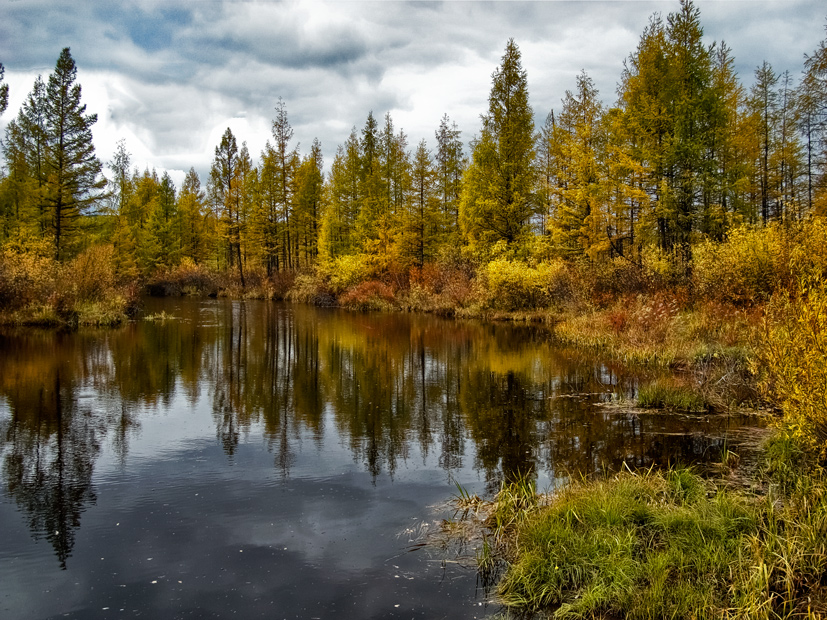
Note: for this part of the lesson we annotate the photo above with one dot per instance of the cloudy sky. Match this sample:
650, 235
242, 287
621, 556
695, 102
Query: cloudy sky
170, 76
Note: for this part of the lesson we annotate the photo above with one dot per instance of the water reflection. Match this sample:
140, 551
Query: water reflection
389, 388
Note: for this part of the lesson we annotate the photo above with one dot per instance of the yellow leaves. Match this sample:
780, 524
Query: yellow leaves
514, 285
793, 355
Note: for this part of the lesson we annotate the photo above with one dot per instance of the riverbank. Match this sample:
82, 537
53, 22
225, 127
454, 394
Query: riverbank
659, 544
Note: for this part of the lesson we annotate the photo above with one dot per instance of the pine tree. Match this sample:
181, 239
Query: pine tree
73, 182
225, 195
498, 199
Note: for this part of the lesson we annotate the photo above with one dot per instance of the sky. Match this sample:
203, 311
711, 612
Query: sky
168, 77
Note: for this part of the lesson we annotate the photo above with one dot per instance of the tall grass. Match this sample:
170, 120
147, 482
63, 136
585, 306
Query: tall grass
666, 545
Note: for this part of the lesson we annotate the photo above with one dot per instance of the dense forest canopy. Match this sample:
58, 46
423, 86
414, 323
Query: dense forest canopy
686, 153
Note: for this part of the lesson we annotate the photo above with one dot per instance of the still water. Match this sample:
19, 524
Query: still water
258, 460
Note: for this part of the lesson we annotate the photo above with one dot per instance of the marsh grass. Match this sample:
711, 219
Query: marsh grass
671, 394
662, 544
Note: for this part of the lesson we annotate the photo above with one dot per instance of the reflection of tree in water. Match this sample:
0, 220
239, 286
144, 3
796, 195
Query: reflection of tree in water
50, 443
49, 455
390, 381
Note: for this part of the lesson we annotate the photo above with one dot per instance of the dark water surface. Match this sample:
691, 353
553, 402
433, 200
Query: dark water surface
257, 460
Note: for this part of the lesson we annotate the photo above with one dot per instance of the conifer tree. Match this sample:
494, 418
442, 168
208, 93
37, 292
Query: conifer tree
450, 166
73, 182
813, 120
192, 230
4, 90
498, 199
421, 222
579, 224
225, 194
286, 162
309, 199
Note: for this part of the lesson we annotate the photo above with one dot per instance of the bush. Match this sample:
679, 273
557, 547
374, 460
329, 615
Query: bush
349, 270
185, 279
515, 285
25, 277
310, 288
366, 296
749, 266
91, 275
793, 356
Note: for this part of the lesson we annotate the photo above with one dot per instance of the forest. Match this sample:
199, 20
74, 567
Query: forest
686, 159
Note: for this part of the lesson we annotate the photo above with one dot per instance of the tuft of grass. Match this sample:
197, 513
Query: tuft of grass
668, 394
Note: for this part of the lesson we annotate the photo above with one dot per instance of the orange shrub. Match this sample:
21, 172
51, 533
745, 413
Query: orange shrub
370, 295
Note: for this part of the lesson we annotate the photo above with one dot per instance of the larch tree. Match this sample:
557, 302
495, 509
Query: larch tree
192, 229
579, 224
337, 231
765, 108
450, 162
73, 182
498, 198
421, 220
813, 115
309, 199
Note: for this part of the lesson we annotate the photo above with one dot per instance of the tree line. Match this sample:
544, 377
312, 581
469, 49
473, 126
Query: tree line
686, 152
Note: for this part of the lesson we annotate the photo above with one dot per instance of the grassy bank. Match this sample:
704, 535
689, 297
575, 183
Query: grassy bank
664, 545
670, 544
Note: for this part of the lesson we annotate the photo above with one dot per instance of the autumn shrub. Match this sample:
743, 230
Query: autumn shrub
602, 282
792, 355
346, 271
747, 267
187, 278
808, 249
370, 295
512, 285
90, 275
516, 285
37, 290
311, 288
26, 276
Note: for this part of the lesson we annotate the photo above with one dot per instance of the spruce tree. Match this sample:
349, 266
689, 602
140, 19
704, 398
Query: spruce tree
498, 202
73, 182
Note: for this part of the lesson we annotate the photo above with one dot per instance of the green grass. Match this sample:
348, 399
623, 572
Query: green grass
666, 545
662, 394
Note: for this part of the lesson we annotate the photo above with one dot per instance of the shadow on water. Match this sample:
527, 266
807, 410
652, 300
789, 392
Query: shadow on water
495, 398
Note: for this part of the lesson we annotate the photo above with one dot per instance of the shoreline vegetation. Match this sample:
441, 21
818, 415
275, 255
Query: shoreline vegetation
683, 229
